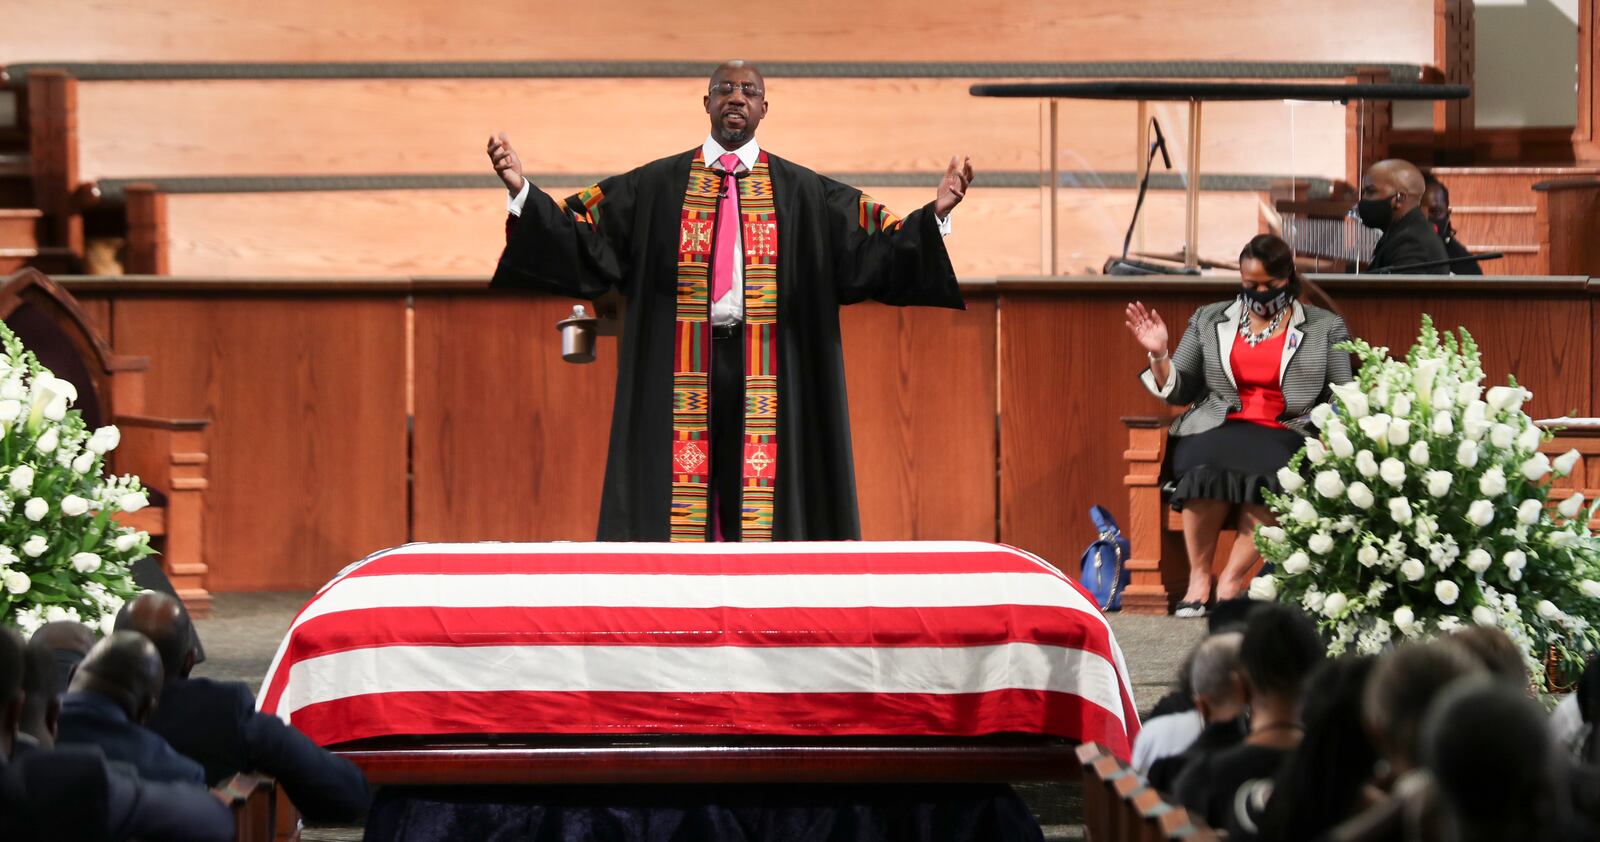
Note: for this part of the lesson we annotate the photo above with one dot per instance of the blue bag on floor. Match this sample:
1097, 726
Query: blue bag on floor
1105, 571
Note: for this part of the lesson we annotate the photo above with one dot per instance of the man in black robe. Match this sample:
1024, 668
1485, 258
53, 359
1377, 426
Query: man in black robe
1391, 201
834, 246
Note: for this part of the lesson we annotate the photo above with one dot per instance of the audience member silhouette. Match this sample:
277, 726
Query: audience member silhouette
112, 696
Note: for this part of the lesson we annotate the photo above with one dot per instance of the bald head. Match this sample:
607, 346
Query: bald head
68, 641
125, 668
12, 664
162, 620
736, 102
1399, 182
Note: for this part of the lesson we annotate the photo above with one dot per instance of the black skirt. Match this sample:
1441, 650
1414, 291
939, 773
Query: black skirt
1233, 463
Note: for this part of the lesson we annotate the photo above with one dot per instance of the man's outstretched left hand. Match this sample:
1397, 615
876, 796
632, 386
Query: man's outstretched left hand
953, 187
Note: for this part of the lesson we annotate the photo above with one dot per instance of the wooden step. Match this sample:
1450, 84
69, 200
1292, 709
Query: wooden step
16, 165
19, 227
1501, 186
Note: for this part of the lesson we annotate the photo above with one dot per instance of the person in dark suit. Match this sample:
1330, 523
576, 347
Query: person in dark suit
1250, 369
112, 695
1436, 207
68, 642
72, 793
1391, 202
216, 723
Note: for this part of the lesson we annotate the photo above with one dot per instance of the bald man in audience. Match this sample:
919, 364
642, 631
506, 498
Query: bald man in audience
71, 793
112, 696
1391, 202
41, 707
68, 642
216, 723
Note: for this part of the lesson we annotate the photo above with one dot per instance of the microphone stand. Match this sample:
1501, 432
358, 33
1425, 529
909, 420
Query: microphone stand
1435, 264
1122, 265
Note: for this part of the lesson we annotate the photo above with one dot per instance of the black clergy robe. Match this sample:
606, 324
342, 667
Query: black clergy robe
826, 257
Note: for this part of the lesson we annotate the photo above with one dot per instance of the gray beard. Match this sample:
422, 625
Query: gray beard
732, 140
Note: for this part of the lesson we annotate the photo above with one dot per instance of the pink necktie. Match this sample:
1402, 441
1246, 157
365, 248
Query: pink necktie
727, 229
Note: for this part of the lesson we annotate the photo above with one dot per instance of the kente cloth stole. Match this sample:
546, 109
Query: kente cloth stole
691, 394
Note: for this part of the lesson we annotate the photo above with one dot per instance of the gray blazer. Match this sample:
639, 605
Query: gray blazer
1203, 379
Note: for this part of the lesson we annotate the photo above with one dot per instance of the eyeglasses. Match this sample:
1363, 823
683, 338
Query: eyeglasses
727, 88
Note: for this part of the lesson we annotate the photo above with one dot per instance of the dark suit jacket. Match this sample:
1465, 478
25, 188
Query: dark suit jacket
1454, 248
1410, 239
91, 719
72, 793
216, 723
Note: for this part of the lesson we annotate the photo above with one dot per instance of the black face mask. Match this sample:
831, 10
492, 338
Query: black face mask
1441, 224
1268, 303
1376, 213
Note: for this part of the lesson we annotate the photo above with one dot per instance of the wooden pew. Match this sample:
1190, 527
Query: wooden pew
1120, 806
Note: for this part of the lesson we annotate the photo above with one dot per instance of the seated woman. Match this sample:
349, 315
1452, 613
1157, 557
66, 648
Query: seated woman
1251, 369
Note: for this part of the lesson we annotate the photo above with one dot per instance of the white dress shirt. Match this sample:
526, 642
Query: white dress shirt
729, 309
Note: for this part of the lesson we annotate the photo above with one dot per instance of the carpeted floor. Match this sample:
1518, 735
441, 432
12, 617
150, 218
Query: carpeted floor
244, 630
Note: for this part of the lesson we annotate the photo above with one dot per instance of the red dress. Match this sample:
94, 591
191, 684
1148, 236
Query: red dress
1255, 371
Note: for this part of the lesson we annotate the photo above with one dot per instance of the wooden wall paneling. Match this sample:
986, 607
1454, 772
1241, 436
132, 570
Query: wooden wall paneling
922, 416
149, 238
53, 150
141, 129
1586, 134
1454, 54
1569, 226
461, 232
308, 436
509, 441
1368, 125
901, 30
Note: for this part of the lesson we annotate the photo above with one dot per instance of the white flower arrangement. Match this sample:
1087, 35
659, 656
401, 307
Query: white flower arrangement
62, 555
1440, 494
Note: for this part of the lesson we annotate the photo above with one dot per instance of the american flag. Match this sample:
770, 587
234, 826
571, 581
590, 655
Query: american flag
939, 639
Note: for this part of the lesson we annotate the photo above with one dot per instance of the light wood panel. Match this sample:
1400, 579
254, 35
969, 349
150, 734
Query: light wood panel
308, 432
461, 232
922, 417
829, 30
357, 127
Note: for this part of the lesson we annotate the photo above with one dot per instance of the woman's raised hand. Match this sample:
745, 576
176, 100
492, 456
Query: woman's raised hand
1147, 328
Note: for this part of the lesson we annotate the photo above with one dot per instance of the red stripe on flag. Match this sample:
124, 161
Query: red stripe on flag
717, 714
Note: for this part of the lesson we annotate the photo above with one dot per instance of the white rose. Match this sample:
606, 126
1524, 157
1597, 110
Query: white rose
1419, 453
1340, 444
83, 462
1537, 466
21, 479
1393, 472
9, 410
1570, 507
1478, 560
1404, 618
12, 389
72, 505
1475, 430
1375, 427
1291, 481
1399, 431
1321, 414
47, 443
1562, 539
1401, 405
1501, 436
1329, 485
1439, 482
85, 562
1302, 511
1400, 510
1335, 605
1367, 465
1483, 615
1547, 609
1320, 543
1590, 588
1313, 601
1264, 588
1413, 570
1528, 512
1515, 561
56, 409
1367, 555
1564, 463
1272, 534
126, 541
133, 502
1442, 424
35, 509
1530, 438
1480, 513
1467, 393
1353, 399
1507, 398
1476, 411
1360, 495
1467, 454
1315, 452
1492, 483
1296, 564
35, 546
104, 439
1446, 591
16, 581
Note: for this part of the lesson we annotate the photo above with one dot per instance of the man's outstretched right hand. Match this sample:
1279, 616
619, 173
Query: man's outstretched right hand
506, 163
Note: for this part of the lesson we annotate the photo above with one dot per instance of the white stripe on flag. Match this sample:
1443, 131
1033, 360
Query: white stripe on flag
666, 590
704, 669
710, 548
